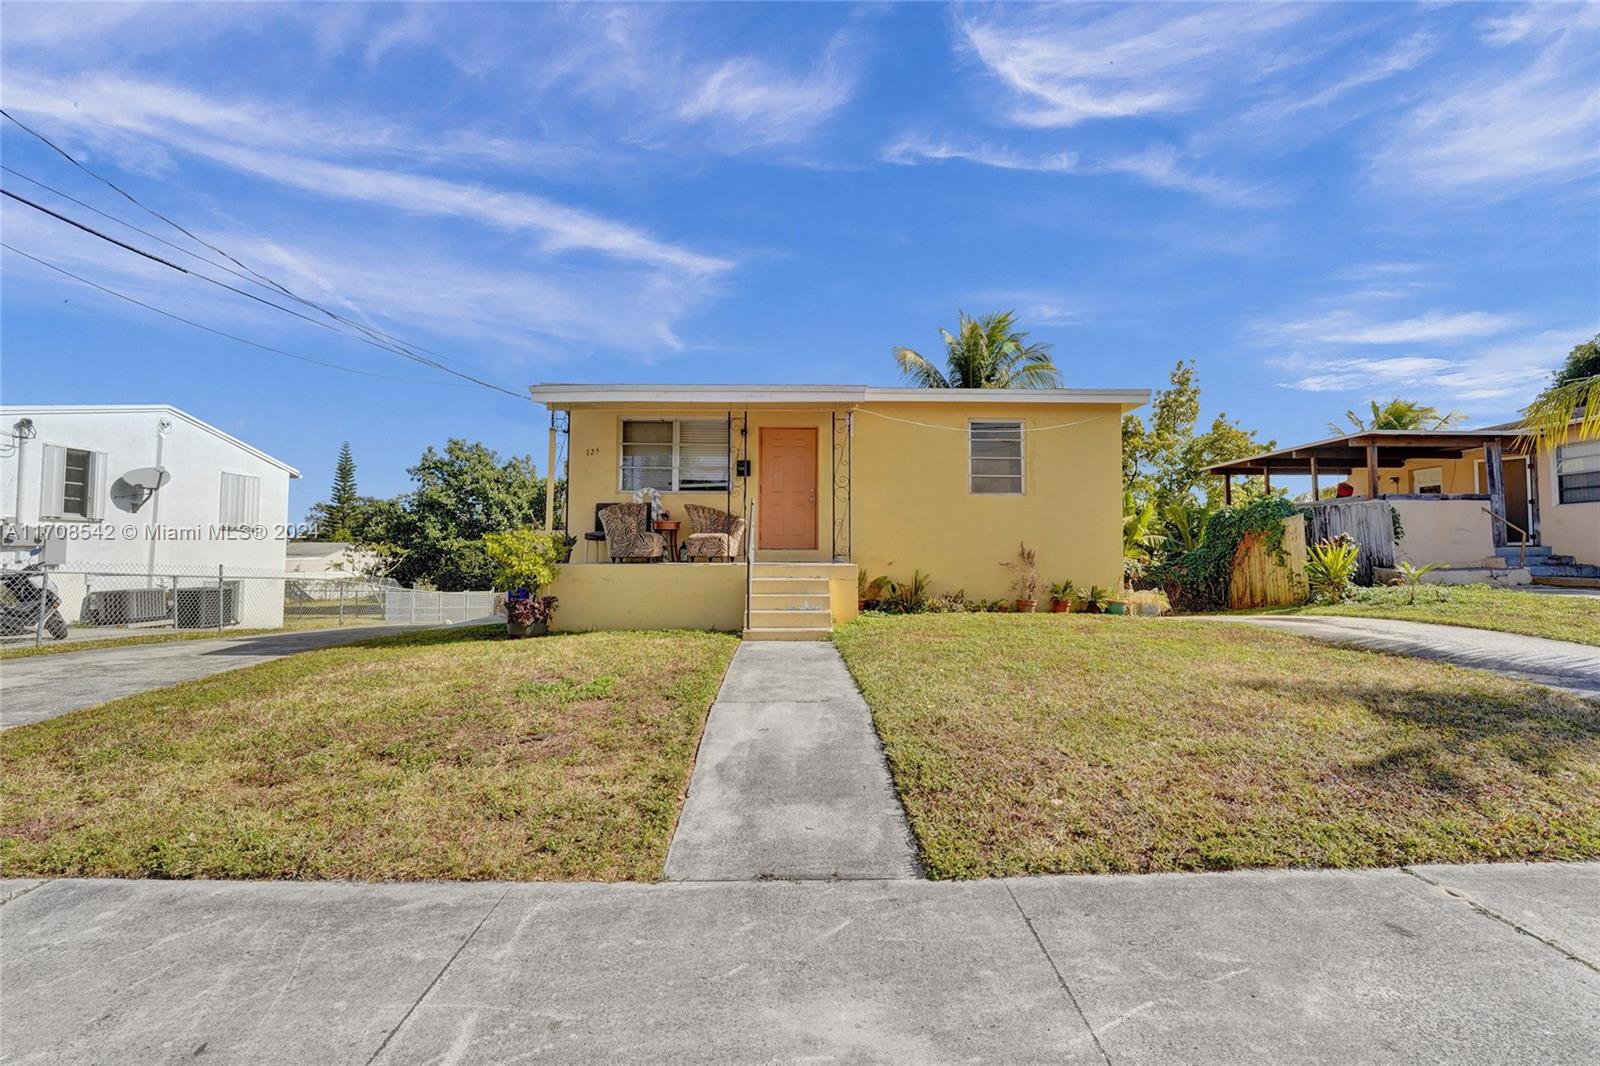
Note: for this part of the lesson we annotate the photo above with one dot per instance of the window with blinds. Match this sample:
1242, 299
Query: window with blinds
1578, 471
241, 501
994, 457
73, 484
686, 455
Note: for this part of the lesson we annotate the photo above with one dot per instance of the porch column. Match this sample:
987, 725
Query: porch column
1316, 489
1372, 469
1227, 490
1494, 471
1266, 478
550, 479
1533, 496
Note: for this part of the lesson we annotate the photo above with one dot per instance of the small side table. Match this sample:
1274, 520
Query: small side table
669, 529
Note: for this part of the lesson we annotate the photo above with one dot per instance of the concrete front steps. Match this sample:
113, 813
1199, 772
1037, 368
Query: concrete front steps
791, 601
1548, 568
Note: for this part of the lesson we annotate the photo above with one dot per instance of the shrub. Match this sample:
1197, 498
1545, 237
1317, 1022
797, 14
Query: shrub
1097, 599
524, 558
1330, 564
1412, 577
1197, 580
1026, 580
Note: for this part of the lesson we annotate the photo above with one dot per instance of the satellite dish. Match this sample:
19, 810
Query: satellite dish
138, 485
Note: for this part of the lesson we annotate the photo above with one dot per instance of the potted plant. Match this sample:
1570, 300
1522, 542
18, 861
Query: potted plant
1097, 600
869, 591
525, 561
1026, 582
1061, 596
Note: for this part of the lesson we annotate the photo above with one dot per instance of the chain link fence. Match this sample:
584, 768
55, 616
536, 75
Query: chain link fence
84, 603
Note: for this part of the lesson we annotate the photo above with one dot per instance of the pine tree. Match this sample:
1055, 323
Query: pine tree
343, 499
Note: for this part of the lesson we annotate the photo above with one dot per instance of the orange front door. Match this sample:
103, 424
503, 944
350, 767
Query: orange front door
787, 518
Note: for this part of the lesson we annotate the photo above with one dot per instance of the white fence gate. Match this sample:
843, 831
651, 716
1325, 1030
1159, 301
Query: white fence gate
415, 605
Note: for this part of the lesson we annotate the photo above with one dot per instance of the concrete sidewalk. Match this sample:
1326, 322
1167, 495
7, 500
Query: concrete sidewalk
790, 781
1486, 965
43, 686
1560, 664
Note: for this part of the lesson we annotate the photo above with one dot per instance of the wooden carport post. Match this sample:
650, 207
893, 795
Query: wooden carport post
1494, 470
1227, 490
550, 479
1316, 489
1372, 469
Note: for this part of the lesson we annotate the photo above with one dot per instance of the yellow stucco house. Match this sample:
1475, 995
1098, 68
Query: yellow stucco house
832, 481
1480, 501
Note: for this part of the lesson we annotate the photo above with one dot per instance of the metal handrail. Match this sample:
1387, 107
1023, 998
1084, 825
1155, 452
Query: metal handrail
749, 561
1522, 547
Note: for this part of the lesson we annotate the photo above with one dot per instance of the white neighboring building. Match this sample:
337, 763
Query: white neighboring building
67, 469
329, 558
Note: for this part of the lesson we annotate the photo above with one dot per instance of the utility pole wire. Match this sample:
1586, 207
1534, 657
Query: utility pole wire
391, 349
218, 332
261, 278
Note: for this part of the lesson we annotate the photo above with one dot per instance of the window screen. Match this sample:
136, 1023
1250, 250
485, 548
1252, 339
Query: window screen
995, 458
647, 449
1578, 471
703, 456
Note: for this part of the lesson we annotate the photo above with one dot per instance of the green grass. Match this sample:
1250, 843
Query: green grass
1077, 744
1534, 614
443, 754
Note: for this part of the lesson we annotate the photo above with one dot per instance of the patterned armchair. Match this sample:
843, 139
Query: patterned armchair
716, 534
629, 536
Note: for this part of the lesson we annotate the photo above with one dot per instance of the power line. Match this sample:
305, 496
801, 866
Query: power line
391, 349
406, 347
218, 332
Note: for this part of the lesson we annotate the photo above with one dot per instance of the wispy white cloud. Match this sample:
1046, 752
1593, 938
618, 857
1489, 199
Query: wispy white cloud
1530, 115
1068, 65
264, 142
1159, 165
758, 104
1346, 327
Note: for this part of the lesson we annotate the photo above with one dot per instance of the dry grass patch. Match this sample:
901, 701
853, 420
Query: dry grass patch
1533, 614
1075, 744
443, 754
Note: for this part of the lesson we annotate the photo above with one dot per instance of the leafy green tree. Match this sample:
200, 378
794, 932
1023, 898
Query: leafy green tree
1164, 460
1399, 414
984, 353
1573, 394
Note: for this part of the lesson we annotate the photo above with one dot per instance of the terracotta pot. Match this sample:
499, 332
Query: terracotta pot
1060, 606
1026, 606
861, 605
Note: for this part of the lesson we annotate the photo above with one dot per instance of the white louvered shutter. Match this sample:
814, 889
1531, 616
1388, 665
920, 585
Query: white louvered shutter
95, 510
53, 484
703, 455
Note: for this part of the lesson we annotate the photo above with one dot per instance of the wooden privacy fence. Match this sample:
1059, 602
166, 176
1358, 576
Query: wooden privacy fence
1263, 578
1370, 524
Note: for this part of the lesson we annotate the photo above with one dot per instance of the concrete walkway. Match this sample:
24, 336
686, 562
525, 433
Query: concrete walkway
790, 781
43, 686
1557, 663
1437, 964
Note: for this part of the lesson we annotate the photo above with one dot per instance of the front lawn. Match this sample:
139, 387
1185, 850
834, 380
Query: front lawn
1076, 744
441, 754
1534, 614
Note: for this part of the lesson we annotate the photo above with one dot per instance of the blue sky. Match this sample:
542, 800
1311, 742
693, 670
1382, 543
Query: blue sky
1320, 205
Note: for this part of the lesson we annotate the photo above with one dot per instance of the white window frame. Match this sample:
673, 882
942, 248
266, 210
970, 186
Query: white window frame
1434, 476
52, 485
677, 465
1555, 470
251, 520
1022, 456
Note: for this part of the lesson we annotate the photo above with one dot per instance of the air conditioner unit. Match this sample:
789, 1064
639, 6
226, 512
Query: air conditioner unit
116, 607
197, 608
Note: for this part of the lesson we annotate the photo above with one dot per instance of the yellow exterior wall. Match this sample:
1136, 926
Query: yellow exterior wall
1568, 528
913, 509
650, 596
910, 507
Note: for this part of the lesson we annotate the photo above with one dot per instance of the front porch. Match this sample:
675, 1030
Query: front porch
763, 600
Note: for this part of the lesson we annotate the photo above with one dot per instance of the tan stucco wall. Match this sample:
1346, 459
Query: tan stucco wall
1568, 528
911, 507
1443, 531
649, 596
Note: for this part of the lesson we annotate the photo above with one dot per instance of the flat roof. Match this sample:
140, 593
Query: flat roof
144, 408
1336, 455
557, 394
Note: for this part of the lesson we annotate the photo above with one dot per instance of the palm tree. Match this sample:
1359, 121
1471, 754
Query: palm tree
1573, 396
984, 353
1400, 414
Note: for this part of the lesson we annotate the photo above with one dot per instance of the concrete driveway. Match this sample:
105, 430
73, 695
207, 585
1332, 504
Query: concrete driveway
1560, 664
1490, 964
44, 686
